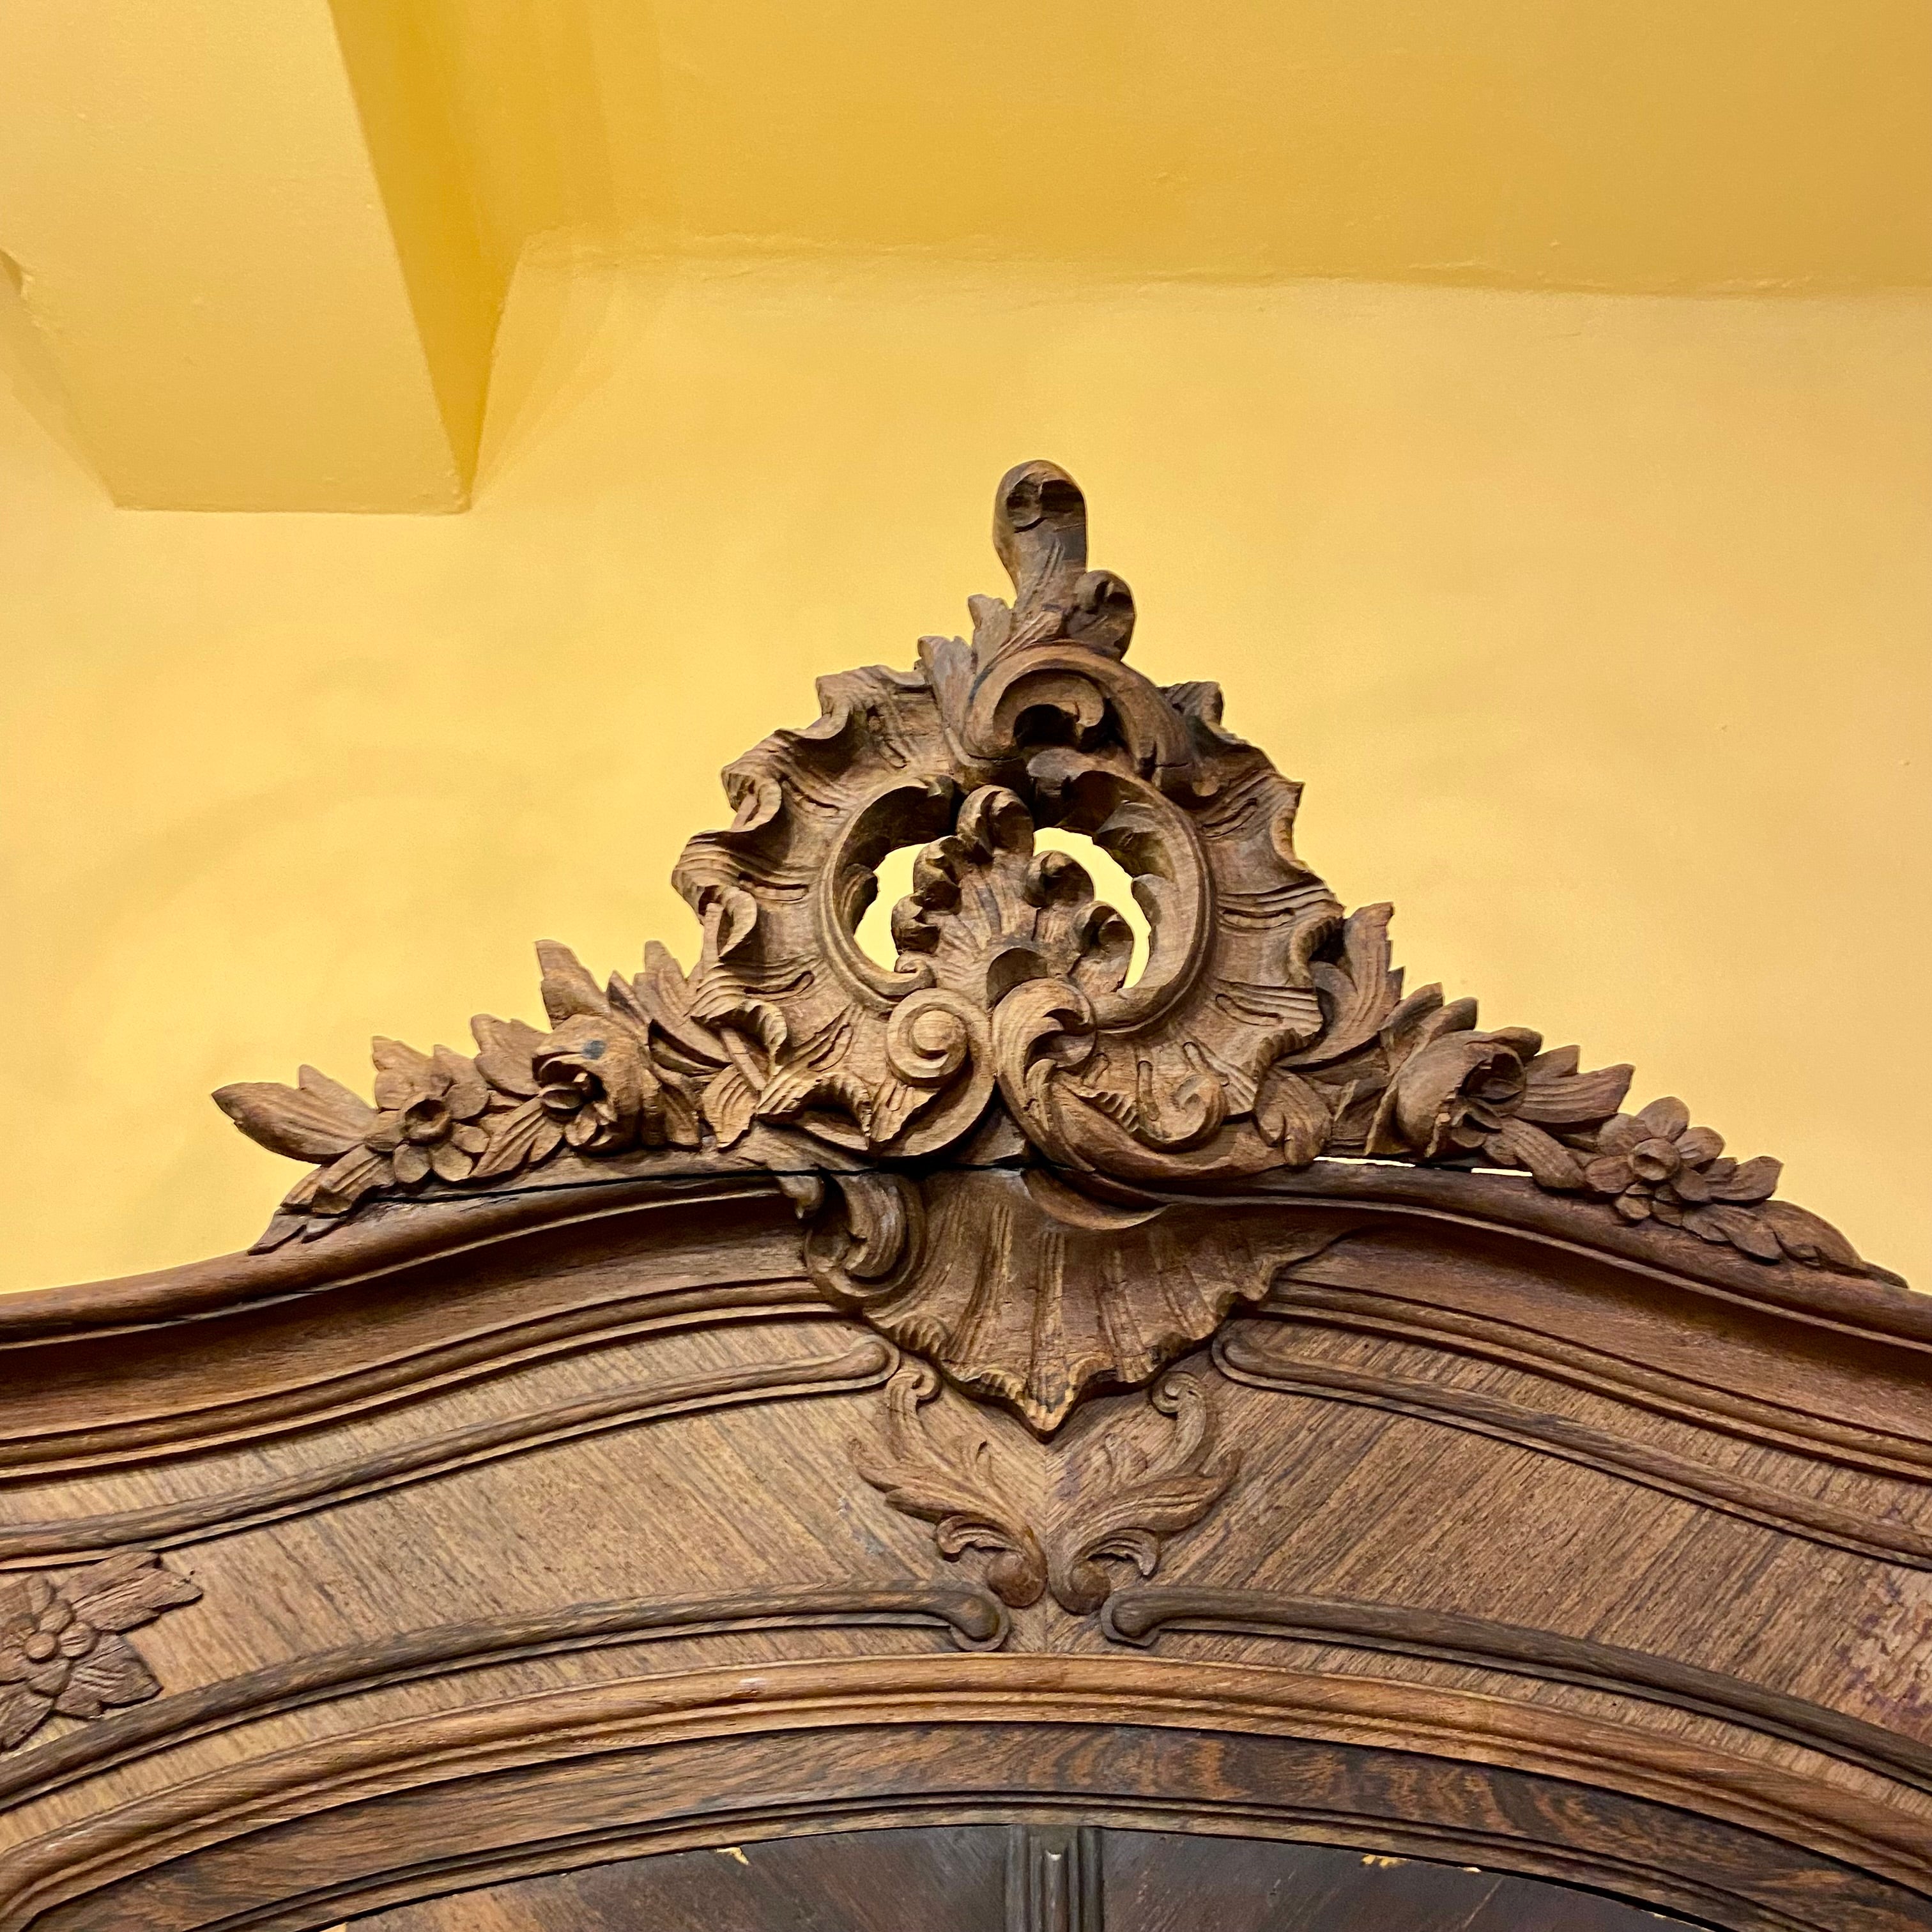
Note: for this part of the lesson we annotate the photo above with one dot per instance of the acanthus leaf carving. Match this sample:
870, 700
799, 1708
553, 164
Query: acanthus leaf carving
63, 1649
1267, 1030
1115, 1503
950, 1486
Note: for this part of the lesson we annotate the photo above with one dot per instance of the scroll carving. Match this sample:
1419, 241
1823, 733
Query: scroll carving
1116, 1503
62, 1649
1269, 1029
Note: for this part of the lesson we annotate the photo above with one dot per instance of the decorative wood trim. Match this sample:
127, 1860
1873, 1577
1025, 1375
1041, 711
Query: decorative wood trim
1374, 1311
1138, 1614
974, 1619
958, 1725
1125, 1514
61, 1646
1053, 1879
400, 1380
369, 1250
1878, 1309
172, 1525
1018, 1286
374, 1339
1242, 1356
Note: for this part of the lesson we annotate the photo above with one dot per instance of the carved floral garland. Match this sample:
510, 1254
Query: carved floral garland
1267, 1029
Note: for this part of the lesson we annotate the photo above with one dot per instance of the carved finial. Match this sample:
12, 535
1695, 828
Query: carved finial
1039, 530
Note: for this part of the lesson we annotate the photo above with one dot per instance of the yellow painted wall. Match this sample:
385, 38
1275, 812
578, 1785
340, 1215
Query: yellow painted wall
1597, 624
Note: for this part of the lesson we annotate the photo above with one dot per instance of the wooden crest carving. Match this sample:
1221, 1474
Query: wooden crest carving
996, 1136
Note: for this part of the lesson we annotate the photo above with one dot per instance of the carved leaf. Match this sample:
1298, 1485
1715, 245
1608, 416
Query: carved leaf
894, 1103
21, 1713
131, 1589
1751, 1180
1555, 1095
730, 1102
1550, 1163
318, 1119
111, 1674
1124, 1510
507, 1047
1360, 990
661, 996
1806, 1237
518, 1137
1292, 1114
951, 1490
567, 989
791, 1092
1129, 1520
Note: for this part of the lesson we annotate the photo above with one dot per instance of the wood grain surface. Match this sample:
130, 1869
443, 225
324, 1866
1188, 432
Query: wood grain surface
992, 1438
980, 1878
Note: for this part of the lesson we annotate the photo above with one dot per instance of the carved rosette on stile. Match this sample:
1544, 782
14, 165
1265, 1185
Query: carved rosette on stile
62, 1647
1006, 1149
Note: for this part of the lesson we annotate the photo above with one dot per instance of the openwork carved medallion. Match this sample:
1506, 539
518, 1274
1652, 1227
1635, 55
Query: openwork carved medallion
991, 1135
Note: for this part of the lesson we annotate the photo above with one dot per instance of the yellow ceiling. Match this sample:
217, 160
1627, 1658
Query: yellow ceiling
262, 250
1660, 145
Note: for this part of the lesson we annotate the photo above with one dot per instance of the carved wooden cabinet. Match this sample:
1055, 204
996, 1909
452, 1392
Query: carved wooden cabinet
998, 1440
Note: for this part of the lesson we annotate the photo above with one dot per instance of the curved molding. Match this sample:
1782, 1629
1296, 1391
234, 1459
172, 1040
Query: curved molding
1877, 1305
403, 1237
436, 1229
399, 1380
1374, 1311
978, 1735
444, 1320
402, 1257
1237, 1356
169, 1526
975, 1620
1139, 1614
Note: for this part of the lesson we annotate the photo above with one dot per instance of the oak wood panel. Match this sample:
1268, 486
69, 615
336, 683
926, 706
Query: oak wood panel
1247, 1354
500, 1825
971, 1878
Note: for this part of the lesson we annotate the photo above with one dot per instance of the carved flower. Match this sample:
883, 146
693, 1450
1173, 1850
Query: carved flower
589, 1084
1496, 1094
61, 1648
1655, 1166
427, 1119
428, 1105
585, 1082
1454, 1095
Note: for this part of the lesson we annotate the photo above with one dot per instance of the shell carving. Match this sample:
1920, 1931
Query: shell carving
1025, 1291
